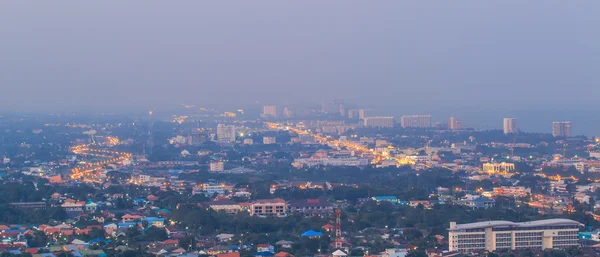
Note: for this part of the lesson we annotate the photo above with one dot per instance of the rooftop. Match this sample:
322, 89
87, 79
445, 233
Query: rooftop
501, 223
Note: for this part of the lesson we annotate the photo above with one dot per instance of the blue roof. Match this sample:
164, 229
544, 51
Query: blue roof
154, 219
126, 224
384, 198
312, 233
139, 199
15, 230
263, 254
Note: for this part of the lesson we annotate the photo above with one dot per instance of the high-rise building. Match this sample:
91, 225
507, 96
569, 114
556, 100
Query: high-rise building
363, 113
510, 125
561, 129
381, 122
226, 133
415, 121
197, 138
497, 235
352, 114
269, 140
269, 111
217, 166
288, 112
454, 124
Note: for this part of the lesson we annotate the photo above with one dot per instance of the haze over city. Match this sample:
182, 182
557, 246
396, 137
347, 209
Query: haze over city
403, 56
338, 128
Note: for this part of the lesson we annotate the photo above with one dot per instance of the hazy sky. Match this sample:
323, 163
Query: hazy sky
413, 54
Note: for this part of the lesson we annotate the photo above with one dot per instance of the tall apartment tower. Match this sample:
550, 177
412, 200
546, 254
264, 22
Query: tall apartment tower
288, 112
510, 125
561, 129
269, 111
380, 122
415, 121
226, 133
454, 123
363, 113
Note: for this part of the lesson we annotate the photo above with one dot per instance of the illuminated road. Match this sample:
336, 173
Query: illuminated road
89, 172
379, 156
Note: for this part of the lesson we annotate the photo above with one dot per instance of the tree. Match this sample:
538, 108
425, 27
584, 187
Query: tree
156, 234
417, 253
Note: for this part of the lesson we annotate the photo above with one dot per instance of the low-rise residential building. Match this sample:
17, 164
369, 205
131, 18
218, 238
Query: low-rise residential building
227, 206
275, 206
512, 191
309, 206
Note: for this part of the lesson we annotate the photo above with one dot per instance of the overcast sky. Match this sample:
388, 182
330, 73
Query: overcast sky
413, 54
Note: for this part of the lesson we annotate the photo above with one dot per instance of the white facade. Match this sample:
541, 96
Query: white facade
415, 121
454, 123
269, 140
226, 133
507, 235
288, 112
510, 125
269, 111
561, 129
381, 122
363, 113
217, 166
348, 161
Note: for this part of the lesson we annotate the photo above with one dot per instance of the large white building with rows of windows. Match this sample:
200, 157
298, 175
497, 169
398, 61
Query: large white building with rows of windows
507, 235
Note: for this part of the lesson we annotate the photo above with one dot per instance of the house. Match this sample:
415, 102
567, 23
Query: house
284, 254
90, 206
110, 226
481, 202
228, 206
391, 199
131, 218
232, 254
219, 249
312, 234
154, 221
73, 206
284, 244
276, 206
263, 248
328, 227
415, 203
170, 242
309, 206
224, 237
394, 252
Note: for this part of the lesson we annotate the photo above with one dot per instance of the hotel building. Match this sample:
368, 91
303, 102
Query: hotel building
507, 235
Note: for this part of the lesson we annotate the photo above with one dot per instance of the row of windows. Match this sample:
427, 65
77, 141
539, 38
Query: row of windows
564, 237
503, 239
503, 235
471, 236
528, 243
467, 241
471, 246
529, 234
532, 238
563, 233
535, 228
504, 245
564, 243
